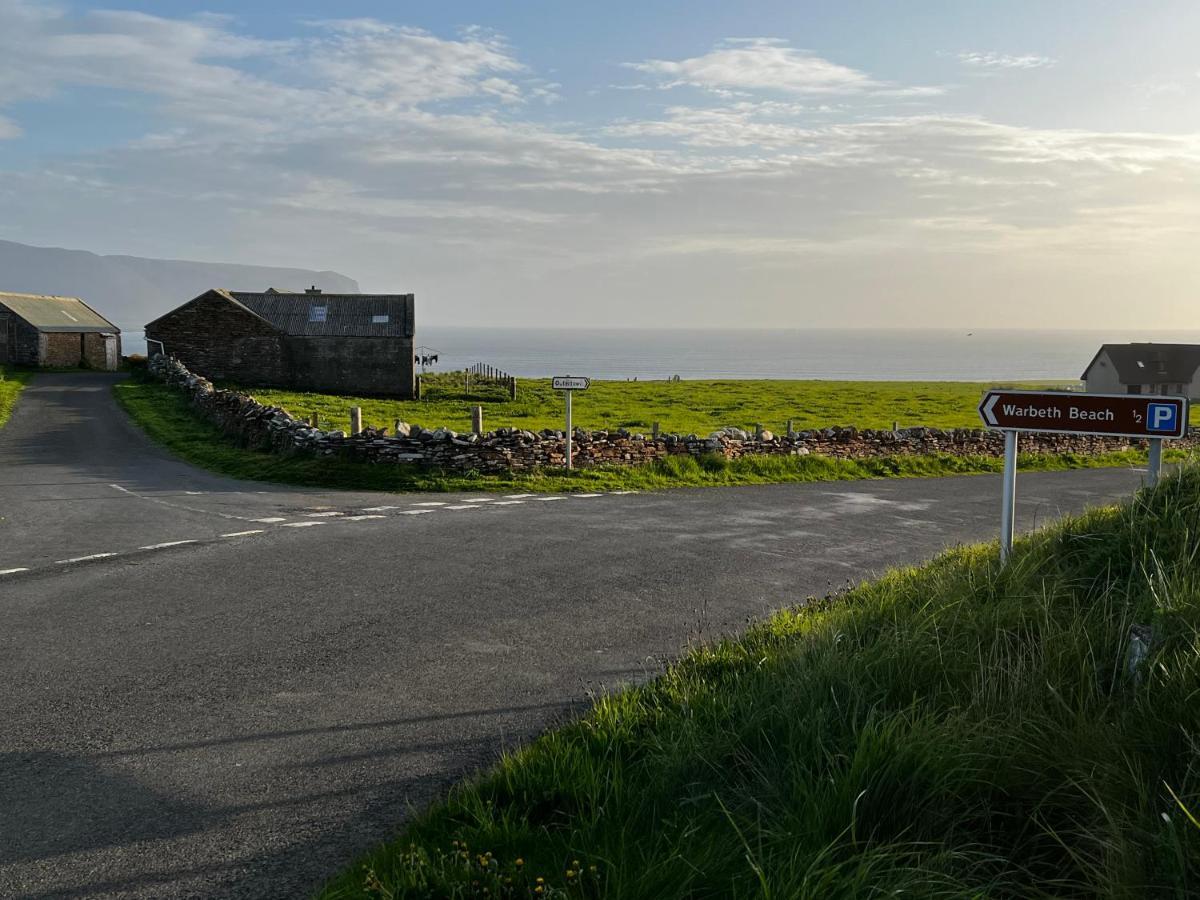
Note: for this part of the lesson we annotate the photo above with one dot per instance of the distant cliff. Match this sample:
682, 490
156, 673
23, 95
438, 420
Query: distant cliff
131, 291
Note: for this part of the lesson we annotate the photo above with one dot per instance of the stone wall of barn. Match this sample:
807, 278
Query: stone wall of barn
22, 340
353, 365
61, 349
513, 449
222, 341
95, 351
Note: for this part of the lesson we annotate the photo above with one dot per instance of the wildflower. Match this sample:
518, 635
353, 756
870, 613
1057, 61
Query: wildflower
520, 862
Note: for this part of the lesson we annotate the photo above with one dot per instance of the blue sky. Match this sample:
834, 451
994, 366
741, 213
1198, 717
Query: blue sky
871, 163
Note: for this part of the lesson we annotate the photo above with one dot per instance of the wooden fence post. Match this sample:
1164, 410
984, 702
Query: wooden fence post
656, 430
355, 420
312, 420
791, 430
512, 387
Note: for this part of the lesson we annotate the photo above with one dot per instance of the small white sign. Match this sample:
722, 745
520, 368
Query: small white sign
571, 383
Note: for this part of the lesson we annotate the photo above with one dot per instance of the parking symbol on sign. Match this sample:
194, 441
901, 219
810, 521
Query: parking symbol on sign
1161, 417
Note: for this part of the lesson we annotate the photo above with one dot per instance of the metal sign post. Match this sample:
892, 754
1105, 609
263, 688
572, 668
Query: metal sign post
1114, 415
569, 384
570, 433
1008, 496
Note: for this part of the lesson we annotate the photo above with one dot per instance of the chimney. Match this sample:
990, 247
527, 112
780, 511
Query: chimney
312, 290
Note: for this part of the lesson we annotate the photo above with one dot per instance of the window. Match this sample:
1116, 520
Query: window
317, 313
1133, 389
379, 320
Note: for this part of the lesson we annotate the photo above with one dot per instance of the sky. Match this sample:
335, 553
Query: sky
645, 164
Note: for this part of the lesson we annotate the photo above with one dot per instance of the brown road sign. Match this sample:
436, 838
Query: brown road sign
1117, 415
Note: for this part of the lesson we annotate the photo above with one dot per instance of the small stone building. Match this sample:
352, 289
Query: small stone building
1145, 369
312, 341
37, 330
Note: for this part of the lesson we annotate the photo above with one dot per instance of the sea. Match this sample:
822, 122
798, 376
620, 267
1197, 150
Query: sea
842, 354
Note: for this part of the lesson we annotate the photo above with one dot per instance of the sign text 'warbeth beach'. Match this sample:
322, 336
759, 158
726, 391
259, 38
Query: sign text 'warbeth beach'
1117, 415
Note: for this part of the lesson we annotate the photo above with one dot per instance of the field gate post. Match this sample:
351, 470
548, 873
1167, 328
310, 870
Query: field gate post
477, 420
657, 430
312, 419
790, 429
512, 387
355, 420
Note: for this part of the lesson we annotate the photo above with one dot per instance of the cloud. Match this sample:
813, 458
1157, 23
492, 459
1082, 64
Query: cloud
418, 161
760, 64
989, 60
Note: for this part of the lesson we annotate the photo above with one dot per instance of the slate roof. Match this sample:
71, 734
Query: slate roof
51, 314
1151, 363
346, 315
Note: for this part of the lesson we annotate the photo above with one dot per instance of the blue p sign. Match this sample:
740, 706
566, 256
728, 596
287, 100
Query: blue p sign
1162, 417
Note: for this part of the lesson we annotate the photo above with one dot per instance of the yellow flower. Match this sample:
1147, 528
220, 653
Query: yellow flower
520, 862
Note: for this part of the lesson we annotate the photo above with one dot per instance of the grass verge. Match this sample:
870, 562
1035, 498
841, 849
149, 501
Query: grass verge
955, 730
11, 383
682, 407
168, 419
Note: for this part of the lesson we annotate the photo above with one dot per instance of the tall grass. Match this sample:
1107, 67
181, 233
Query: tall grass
956, 730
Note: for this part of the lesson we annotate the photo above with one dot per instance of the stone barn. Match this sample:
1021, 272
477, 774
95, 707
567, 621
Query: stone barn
38, 330
312, 341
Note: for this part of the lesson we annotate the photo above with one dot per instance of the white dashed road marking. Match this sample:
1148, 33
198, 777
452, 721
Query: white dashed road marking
165, 545
430, 503
548, 499
12, 571
361, 518
518, 496
322, 515
379, 508
243, 533
78, 559
586, 496
464, 506
508, 503
300, 524
270, 520
417, 512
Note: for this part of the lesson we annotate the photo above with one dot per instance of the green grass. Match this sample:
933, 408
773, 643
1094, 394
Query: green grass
955, 730
11, 383
682, 407
168, 419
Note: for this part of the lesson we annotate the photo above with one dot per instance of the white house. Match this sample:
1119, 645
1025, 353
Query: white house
1145, 369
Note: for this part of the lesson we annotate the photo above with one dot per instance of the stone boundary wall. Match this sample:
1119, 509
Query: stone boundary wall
508, 449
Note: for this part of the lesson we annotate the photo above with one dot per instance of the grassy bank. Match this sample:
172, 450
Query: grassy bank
11, 383
682, 407
168, 419
948, 731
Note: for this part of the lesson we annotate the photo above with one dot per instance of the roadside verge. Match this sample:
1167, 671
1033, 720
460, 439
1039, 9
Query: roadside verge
950, 730
11, 384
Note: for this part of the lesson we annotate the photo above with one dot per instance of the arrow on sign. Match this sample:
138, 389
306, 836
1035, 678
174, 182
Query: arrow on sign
988, 415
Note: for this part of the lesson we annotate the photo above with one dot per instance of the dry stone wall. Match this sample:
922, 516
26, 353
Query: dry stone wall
508, 449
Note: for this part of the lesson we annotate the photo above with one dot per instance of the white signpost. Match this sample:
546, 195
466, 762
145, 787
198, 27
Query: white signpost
1116, 415
569, 384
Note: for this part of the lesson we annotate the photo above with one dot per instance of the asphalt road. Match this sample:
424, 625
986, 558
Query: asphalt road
214, 688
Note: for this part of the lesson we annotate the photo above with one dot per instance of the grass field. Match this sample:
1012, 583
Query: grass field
167, 418
682, 407
955, 730
11, 383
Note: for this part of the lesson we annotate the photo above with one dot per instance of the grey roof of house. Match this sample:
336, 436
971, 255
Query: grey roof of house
1151, 363
346, 315
47, 313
